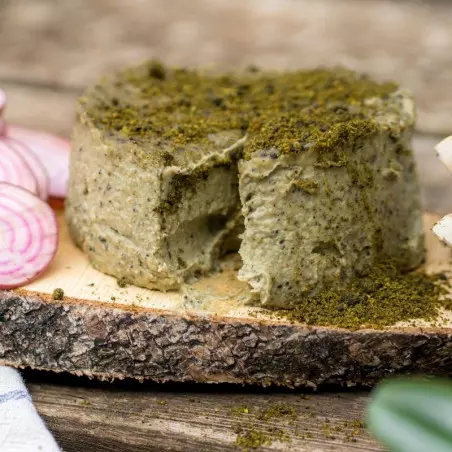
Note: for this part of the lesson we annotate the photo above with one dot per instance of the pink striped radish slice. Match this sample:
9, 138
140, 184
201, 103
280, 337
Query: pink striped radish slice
15, 170
52, 151
28, 236
34, 163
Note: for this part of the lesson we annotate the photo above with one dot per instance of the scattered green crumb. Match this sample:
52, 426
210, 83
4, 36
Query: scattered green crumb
354, 429
328, 431
251, 439
252, 436
122, 282
305, 435
161, 402
113, 298
85, 403
91, 284
309, 412
355, 423
346, 430
378, 299
239, 410
277, 410
58, 294
280, 435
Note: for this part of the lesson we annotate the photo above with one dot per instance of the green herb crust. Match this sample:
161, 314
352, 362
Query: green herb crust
290, 111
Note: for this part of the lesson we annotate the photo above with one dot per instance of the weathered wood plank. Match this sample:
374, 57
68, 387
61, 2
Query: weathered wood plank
71, 43
181, 418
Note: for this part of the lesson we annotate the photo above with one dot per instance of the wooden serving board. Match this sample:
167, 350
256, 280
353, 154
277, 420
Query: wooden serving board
108, 332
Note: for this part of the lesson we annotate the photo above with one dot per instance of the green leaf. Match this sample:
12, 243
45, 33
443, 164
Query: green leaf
413, 415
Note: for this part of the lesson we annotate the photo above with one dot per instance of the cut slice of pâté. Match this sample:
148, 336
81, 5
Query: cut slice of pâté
167, 162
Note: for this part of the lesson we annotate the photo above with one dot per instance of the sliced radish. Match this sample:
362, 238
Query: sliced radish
52, 151
14, 169
35, 164
28, 236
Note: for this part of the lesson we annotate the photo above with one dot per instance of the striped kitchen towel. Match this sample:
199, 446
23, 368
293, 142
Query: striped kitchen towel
21, 428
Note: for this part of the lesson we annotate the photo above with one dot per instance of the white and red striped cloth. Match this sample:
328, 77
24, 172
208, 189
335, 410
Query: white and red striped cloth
21, 428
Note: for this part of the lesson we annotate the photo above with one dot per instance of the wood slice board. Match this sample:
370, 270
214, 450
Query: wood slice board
104, 331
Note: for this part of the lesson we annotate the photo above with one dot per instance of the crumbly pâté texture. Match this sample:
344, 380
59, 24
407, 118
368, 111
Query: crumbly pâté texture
169, 162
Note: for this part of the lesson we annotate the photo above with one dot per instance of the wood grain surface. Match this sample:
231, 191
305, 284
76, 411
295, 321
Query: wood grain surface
96, 417
51, 49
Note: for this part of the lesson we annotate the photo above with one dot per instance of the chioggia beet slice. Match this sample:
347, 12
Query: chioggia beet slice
15, 170
52, 151
35, 164
28, 236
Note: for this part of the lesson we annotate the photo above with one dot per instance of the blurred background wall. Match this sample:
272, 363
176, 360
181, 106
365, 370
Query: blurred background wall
50, 49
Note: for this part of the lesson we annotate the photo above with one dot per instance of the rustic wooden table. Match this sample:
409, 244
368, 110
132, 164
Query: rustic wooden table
51, 49
129, 416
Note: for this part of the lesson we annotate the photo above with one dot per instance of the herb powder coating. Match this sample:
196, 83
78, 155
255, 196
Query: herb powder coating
313, 168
